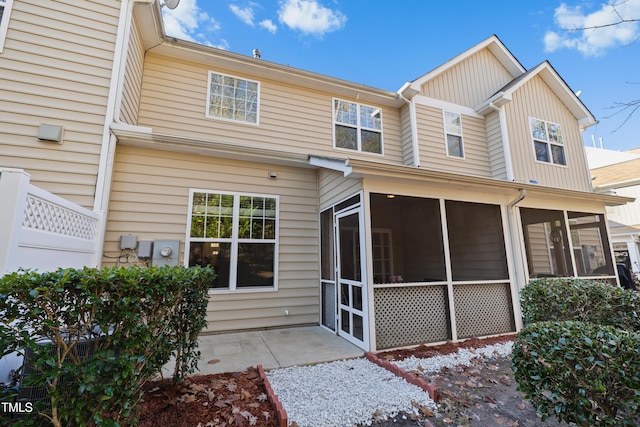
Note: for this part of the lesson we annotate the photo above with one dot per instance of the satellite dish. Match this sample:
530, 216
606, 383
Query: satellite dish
171, 4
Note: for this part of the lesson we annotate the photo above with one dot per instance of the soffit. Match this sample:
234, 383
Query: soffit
362, 168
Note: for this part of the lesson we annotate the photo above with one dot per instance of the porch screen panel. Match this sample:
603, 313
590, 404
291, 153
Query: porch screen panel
590, 244
546, 243
407, 239
476, 241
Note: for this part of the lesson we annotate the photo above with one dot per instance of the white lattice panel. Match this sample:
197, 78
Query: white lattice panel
411, 315
483, 310
42, 215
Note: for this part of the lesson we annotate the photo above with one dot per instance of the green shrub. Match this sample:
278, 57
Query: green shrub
580, 372
133, 320
580, 300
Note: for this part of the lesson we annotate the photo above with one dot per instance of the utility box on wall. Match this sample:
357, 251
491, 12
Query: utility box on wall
165, 252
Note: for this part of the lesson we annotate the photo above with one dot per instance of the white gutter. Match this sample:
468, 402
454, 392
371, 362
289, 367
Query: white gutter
508, 165
107, 152
413, 125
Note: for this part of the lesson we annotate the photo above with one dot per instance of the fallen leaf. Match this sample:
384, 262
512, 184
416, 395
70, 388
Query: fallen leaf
213, 361
426, 411
245, 394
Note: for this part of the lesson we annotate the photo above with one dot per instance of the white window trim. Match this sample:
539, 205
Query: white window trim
358, 127
549, 144
446, 142
235, 240
207, 115
4, 25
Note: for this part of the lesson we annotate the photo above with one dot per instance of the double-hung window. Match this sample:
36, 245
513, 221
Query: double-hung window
547, 142
236, 234
5, 11
453, 131
232, 98
357, 127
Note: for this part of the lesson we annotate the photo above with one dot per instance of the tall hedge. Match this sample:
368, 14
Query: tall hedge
133, 320
580, 300
583, 373
578, 356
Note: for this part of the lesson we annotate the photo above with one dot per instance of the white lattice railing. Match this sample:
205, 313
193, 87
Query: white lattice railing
44, 215
43, 231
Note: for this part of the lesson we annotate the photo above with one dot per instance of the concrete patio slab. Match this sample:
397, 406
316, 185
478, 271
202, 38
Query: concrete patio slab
274, 348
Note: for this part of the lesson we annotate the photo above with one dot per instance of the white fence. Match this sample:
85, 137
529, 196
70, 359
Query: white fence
39, 230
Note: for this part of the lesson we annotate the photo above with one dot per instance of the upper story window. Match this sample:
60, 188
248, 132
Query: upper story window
453, 131
237, 235
5, 11
232, 98
357, 127
547, 142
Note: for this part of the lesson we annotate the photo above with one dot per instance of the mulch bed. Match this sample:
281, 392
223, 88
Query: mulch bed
228, 399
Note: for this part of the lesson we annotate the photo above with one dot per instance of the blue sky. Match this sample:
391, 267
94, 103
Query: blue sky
387, 43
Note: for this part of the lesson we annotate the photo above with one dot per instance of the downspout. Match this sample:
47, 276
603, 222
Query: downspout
414, 130
505, 141
108, 149
514, 255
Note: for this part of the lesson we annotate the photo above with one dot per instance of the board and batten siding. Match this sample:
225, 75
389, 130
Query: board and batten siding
150, 196
291, 118
495, 146
433, 147
536, 99
470, 82
132, 86
56, 69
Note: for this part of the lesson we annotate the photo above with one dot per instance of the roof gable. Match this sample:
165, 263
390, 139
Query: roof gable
495, 46
551, 77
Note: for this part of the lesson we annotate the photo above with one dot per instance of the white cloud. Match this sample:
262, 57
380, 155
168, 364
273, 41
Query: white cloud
599, 34
268, 25
245, 14
310, 17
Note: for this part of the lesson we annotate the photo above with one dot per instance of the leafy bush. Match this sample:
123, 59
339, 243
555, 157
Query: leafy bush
584, 373
580, 300
110, 331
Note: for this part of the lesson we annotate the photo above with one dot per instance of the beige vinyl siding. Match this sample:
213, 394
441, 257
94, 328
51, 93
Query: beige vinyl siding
628, 214
469, 82
291, 118
149, 198
495, 146
334, 187
536, 99
433, 149
132, 78
405, 128
56, 69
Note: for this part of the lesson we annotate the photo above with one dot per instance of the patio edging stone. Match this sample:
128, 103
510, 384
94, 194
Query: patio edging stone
407, 376
281, 413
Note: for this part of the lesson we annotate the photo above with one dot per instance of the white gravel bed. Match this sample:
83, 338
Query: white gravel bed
463, 356
344, 393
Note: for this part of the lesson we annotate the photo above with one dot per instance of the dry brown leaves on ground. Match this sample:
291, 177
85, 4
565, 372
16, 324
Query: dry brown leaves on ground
236, 399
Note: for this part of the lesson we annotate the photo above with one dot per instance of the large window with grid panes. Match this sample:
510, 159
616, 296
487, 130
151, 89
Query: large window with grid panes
237, 235
357, 127
232, 98
548, 143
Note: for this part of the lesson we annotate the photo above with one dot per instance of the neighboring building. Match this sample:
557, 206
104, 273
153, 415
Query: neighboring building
392, 218
621, 177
